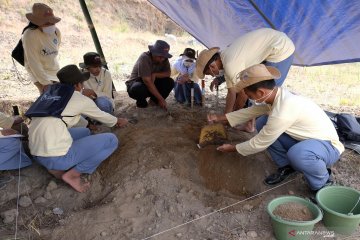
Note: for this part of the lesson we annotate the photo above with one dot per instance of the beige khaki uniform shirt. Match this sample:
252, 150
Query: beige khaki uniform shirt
294, 115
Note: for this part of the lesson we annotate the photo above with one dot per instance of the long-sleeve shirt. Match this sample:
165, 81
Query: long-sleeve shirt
49, 136
101, 84
6, 122
294, 115
254, 48
40, 54
178, 68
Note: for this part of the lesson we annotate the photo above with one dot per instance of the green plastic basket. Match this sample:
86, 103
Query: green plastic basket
293, 230
337, 202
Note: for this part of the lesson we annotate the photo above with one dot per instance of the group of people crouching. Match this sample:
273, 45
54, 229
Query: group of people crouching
296, 132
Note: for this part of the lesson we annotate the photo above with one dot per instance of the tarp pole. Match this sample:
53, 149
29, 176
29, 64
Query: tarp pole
94, 34
262, 14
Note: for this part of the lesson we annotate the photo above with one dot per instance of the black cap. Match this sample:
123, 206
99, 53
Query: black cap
189, 52
91, 59
72, 75
160, 48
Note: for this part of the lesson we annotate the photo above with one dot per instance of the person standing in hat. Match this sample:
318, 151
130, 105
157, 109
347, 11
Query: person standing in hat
265, 45
99, 85
150, 76
41, 40
183, 68
68, 151
297, 132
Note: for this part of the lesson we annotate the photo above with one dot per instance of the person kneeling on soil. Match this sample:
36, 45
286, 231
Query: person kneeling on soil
183, 68
99, 86
12, 151
297, 133
150, 76
68, 152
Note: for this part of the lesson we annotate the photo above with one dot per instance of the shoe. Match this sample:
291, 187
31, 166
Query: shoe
281, 174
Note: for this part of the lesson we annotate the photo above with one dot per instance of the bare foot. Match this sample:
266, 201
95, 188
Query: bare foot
72, 177
56, 173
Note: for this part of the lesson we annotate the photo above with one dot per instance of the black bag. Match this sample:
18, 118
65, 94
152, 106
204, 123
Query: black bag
18, 53
52, 102
348, 127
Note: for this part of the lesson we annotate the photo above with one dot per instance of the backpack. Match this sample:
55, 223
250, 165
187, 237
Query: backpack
52, 102
348, 127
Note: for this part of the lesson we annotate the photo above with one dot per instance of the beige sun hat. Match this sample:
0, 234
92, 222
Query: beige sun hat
255, 74
203, 58
42, 14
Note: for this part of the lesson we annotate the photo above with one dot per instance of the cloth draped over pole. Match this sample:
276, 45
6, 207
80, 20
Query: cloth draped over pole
324, 32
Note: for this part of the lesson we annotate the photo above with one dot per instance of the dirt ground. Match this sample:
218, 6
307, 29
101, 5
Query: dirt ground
159, 179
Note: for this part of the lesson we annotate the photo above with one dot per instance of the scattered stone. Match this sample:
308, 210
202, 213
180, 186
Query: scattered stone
149, 228
48, 195
40, 200
103, 234
171, 210
25, 201
183, 214
248, 207
62, 222
58, 211
291, 192
158, 214
51, 186
196, 216
179, 235
9, 215
137, 196
47, 212
252, 234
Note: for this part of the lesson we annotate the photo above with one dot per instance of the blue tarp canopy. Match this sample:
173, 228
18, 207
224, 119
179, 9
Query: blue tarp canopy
324, 31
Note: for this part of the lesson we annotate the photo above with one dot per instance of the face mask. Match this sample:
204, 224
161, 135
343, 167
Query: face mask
257, 103
187, 64
49, 29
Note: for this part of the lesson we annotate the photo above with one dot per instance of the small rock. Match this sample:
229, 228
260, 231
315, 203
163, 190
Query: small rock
103, 234
137, 196
158, 214
25, 201
183, 214
62, 222
48, 195
51, 186
58, 211
248, 207
251, 234
9, 215
149, 228
196, 216
40, 200
179, 235
291, 192
47, 212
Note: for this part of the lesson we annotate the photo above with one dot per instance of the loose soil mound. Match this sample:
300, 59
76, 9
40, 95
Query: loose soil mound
293, 211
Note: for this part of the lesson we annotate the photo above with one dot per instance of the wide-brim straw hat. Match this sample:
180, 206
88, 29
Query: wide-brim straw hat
203, 58
42, 14
255, 74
